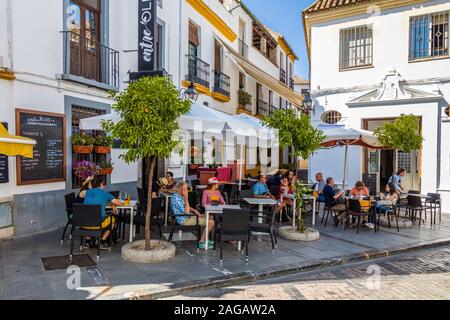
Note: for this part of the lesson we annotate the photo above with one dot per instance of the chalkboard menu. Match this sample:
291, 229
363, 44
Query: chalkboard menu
4, 176
49, 162
370, 180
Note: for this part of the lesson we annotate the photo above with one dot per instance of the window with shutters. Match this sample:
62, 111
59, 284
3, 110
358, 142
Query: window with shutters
429, 36
356, 47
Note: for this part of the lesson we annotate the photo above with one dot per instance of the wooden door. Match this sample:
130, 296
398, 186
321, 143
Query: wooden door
85, 49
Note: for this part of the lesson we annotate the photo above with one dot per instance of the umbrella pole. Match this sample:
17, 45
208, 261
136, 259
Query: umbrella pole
241, 167
345, 168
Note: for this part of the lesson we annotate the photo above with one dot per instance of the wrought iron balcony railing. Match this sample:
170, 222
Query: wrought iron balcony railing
221, 83
291, 83
282, 75
262, 107
88, 61
198, 71
243, 48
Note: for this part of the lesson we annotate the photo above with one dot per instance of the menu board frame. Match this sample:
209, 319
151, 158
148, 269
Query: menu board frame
6, 178
19, 112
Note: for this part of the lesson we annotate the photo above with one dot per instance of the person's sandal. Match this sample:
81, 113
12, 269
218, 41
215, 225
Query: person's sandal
201, 245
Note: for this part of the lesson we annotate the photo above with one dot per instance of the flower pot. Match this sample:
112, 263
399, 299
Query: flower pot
102, 149
82, 149
105, 172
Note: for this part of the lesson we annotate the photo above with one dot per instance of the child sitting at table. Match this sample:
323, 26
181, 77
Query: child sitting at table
212, 194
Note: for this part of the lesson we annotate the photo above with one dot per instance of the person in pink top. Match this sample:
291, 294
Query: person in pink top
212, 193
359, 190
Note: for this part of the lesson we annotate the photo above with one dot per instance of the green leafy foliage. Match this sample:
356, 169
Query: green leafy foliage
82, 140
403, 134
106, 165
300, 190
244, 97
296, 131
149, 109
103, 141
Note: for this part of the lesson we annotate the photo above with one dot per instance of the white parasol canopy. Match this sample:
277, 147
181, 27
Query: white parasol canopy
342, 135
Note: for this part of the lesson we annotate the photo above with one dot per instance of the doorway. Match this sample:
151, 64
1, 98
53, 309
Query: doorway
380, 162
386, 166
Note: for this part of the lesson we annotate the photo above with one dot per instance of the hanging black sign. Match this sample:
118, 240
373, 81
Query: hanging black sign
147, 29
4, 175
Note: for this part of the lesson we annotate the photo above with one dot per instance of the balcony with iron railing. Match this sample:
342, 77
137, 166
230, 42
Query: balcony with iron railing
243, 48
262, 107
221, 83
89, 62
291, 83
198, 71
282, 75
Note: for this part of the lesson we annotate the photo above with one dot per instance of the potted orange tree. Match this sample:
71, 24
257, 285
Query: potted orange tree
82, 144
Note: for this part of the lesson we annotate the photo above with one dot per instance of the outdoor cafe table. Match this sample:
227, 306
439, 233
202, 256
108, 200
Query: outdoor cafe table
294, 209
210, 209
130, 207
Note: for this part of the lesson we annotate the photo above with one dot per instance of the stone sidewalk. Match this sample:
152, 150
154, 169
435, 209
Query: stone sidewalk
22, 275
423, 275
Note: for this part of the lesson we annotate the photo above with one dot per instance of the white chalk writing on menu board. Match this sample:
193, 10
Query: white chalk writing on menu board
48, 162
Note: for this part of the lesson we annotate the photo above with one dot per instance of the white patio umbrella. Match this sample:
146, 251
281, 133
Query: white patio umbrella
342, 135
199, 117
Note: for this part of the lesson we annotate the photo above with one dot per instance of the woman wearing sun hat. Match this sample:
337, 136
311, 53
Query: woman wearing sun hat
87, 185
212, 193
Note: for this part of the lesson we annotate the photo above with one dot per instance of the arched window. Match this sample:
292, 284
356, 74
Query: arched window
331, 117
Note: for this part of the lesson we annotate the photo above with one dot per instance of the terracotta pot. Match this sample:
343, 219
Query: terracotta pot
105, 172
82, 149
102, 149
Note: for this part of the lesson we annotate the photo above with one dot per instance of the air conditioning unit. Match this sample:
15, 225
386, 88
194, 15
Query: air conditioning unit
5, 62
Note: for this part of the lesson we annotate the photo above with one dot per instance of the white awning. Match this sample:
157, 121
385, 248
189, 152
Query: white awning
264, 78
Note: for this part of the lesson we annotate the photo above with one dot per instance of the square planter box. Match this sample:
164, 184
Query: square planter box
82, 149
102, 150
105, 172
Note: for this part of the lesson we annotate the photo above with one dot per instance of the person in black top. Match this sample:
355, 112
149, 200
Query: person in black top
87, 185
336, 200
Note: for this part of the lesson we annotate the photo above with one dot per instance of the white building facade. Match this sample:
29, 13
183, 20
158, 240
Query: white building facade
372, 62
61, 58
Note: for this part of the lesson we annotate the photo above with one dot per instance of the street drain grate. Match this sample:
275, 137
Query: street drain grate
63, 262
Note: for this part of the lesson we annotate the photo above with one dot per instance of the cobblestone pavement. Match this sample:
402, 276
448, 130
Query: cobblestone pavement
424, 275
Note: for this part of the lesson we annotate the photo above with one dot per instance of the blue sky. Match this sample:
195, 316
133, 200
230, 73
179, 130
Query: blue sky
284, 16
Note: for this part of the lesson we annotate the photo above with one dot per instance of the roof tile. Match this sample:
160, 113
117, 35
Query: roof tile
323, 5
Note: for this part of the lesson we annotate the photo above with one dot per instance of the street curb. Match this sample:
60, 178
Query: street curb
274, 272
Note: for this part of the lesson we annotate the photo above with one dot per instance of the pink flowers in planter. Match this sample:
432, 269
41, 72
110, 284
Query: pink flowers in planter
85, 169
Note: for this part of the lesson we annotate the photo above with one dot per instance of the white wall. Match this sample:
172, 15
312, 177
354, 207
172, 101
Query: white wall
391, 45
332, 90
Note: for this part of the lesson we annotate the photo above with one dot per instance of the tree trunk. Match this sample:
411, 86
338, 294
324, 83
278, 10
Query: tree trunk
151, 167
